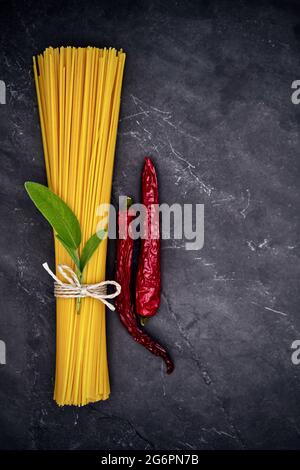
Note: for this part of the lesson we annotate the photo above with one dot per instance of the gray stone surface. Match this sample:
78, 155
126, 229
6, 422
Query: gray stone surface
207, 93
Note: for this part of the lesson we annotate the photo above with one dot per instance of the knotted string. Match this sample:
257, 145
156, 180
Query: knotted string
73, 288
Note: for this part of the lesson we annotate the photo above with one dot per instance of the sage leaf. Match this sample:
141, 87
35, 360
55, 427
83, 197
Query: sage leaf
73, 253
90, 247
58, 214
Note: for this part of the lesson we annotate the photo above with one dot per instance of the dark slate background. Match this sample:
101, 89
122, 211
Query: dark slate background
207, 93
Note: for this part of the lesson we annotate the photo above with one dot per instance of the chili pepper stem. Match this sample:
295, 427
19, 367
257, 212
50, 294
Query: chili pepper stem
143, 320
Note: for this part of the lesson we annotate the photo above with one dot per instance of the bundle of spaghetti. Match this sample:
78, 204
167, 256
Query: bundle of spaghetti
78, 93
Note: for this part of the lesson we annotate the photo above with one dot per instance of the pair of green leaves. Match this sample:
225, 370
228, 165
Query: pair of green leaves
65, 224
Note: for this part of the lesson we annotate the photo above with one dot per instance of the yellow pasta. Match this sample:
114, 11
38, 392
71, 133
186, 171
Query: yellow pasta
78, 93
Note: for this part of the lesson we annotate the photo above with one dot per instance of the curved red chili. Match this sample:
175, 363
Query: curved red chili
147, 297
123, 302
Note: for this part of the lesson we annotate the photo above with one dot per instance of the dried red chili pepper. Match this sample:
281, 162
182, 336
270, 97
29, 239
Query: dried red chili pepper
123, 303
147, 297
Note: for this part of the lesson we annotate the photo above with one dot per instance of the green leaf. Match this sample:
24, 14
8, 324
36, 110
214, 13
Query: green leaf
73, 253
90, 247
58, 214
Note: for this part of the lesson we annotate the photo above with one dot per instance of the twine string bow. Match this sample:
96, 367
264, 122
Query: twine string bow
73, 288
